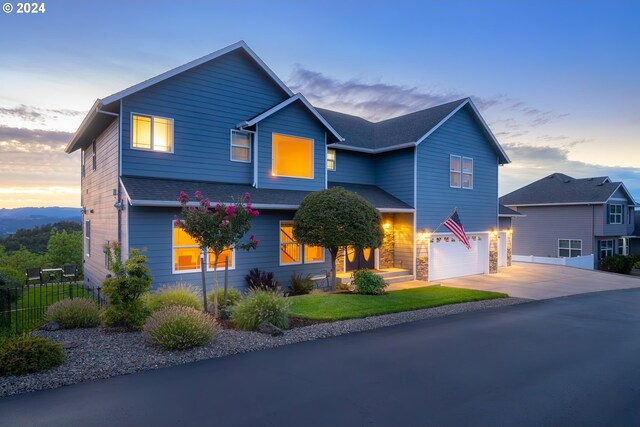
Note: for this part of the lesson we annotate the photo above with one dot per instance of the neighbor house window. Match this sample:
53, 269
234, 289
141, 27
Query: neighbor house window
87, 237
615, 214
313, 254
331, 160
240, 146
606, 248
94, 159
467, 172
623, 246
226, 254
568, 248
152, 133
186, 251
455, 163
289, 248
292, 156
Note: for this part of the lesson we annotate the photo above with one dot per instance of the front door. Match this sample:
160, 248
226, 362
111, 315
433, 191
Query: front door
358, 259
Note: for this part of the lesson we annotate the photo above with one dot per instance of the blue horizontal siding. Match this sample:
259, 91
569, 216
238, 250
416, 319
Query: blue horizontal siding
205, 103
395, 173
354, 168
151, 230
478, 207
294, 120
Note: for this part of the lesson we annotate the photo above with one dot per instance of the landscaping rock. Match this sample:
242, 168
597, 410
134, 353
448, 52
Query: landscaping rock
270, 329
68, 345
51, 326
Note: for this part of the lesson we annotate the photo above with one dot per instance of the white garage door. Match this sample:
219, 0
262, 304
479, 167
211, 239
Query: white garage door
502, 249
448, 257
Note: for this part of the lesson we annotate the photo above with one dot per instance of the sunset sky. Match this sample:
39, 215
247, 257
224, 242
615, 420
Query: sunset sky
558, 82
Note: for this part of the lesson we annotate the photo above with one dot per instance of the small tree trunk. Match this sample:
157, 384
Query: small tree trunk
204, 282
334, 256
215, 284
226, 281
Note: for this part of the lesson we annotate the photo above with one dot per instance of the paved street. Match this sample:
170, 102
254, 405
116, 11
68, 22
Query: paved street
561, 362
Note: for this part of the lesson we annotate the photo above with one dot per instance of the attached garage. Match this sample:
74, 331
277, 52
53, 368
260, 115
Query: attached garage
448, 257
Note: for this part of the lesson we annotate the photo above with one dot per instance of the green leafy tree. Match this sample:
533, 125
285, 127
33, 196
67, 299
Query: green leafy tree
64, 248
216, 229
336, 218
36, 239
22, 259
124, 291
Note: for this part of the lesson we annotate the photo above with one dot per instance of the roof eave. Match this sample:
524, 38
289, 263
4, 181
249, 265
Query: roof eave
93, 112
372, 150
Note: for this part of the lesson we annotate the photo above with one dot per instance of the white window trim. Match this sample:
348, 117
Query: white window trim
304, 255
233, 261
231, 145
152, 117
87, 238
613, 248
569, 248
280, 243
451, 157
462, 173
335, 160
313, 158
621, 215
173, 255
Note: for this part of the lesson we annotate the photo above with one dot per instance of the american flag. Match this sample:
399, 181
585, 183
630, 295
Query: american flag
455, 226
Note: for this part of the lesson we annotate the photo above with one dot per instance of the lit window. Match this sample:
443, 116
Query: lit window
331, 160
313, 254
292, 156
226, 254
467, 172
186, 251
606, 248
240, 146
289, 248
454, 171
152, 133
615, 214
568, 248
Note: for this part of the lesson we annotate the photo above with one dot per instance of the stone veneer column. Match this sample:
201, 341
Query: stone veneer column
388, 244
493, 252
422, 260
509, 242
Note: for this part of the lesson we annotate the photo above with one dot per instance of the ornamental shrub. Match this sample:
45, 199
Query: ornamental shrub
367, 282
616, 264
11, 282
181, 294
24, 355
300, 285
233, 297
179, 328
74, 313
261, 306
257, 279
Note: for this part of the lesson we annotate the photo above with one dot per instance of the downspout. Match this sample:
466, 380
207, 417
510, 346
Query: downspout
255, 158
415, 211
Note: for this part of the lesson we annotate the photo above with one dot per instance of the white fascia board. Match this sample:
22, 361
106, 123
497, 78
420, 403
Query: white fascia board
177, 204
510, 215
196, 62
125, 191
285, 103
395, 210
631, 199
372, 150
93, 111
557, 204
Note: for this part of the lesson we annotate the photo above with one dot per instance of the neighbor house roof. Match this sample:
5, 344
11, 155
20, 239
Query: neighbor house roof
561, 189
164, 192
399, 132
504, 211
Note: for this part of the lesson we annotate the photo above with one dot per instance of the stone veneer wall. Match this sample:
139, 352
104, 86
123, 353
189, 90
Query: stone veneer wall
509, 243
387, 249
493, 252
422, 259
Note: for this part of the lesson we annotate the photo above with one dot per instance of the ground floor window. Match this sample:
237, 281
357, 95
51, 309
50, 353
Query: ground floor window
226, 254
291, 252
606, 248
313, 254
187, 254
569, 248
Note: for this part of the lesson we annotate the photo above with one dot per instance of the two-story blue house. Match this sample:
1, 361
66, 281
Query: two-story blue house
225, 124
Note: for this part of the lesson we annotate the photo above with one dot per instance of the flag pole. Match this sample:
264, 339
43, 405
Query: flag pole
447, 217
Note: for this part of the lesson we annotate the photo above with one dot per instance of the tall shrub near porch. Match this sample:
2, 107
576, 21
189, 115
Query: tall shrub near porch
216, 229
336, 218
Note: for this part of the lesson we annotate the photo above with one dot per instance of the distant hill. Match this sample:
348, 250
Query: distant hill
12, 220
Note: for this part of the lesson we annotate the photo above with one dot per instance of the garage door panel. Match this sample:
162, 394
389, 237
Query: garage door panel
452, 259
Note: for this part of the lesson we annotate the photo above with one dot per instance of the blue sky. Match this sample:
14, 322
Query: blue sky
556, 81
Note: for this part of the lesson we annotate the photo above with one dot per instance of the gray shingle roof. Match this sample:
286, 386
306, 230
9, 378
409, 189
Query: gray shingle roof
164, 192
505, 211
559, 188
362, 133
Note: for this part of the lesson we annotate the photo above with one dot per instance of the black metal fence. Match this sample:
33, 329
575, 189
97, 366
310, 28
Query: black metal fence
23, 308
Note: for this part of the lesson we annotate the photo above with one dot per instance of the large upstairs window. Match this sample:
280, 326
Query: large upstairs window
615, 214
151, 133
292, 156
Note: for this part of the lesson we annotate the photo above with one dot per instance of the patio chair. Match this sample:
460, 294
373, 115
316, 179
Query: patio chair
70, 273
33, 275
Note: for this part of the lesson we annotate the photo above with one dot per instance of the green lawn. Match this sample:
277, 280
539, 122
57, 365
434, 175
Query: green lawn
353, 306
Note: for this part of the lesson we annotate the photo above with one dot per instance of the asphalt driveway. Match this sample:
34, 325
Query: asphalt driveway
540, 281
559, 362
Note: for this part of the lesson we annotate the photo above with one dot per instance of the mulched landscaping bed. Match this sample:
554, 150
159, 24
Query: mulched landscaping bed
103, 353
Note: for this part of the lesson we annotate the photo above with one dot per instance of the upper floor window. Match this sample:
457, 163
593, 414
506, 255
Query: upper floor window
331, 160
152, 133
292, 156
94, 158
615, 214
240, 146
460, 172
569, 248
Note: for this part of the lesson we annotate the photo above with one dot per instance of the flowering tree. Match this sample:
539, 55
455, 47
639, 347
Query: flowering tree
216, 229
